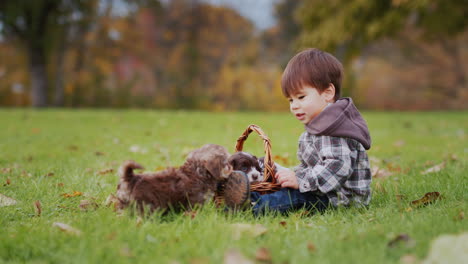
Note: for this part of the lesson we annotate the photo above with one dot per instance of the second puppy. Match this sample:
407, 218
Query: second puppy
178, 188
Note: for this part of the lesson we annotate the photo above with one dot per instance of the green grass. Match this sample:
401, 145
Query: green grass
75, 146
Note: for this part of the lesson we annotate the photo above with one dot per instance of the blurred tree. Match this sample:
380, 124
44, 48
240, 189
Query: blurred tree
346, 27
39, 26
349, 25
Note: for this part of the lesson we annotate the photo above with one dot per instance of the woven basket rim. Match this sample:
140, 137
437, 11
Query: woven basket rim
269, 182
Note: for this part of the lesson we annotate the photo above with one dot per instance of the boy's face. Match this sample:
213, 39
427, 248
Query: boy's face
308, 103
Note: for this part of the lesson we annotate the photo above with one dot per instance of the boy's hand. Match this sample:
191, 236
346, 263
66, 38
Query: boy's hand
287, 179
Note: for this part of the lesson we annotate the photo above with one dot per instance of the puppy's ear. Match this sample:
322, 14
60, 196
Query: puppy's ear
213, 168
232, 161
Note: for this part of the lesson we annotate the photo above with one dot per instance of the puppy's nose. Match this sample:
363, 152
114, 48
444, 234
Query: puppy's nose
255, 176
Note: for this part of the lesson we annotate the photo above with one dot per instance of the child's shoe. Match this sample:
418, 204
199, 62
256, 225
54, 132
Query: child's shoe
236, 190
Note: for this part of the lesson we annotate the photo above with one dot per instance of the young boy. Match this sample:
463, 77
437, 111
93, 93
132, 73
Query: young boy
334, 168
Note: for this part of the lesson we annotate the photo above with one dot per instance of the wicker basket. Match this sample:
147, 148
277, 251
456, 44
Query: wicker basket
269, 184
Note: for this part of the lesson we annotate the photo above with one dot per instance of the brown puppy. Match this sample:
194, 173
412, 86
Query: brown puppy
179, 188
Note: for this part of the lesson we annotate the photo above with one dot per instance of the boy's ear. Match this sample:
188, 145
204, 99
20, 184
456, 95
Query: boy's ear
329, 93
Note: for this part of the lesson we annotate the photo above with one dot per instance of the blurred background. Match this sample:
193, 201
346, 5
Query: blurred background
228, 55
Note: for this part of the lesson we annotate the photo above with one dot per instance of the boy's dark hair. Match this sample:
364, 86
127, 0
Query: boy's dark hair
312, 67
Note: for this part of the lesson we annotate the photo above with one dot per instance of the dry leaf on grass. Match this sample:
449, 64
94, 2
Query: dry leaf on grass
435, 168
380, 172
311, 247
451, 249
7, 182
86, 205
282, 160
240, 229
112, 200
5, 170
428, 198
73, 148
401, 239
105, 171
6, 201
67, 229
192, 214
234, 256
460, 216
408, 259
263, 254
38, 208
74, 194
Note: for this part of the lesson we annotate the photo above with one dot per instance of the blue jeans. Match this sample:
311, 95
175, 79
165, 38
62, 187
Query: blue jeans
287, 199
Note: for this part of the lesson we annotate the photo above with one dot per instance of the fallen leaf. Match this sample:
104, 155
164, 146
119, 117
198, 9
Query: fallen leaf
99, 153
6, 170
435, 168
428, 198
26, 174
74, 194
105, 171
60, 184
400, 197
282, 160
86, 205
283, 223
252, 230
409, 259
38, 208
6, 201
399, 239
112, 200
67, 229
448, 249
460, 216
234, 256
263, 254
73, 148
453, 157
192, 214
8, 182
311, 247
377, 172
50, 174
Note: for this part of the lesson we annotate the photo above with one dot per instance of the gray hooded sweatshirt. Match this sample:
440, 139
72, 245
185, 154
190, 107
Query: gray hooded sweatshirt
341, 119
333, 155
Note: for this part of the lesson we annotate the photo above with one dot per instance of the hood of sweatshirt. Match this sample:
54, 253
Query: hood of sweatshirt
341, 119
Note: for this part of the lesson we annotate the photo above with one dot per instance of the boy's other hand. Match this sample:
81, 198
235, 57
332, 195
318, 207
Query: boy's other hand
287, 179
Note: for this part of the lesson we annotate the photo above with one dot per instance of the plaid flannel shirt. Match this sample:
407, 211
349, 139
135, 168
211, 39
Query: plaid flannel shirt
336, 167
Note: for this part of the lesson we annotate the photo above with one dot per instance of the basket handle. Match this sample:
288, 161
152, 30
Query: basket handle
269, 175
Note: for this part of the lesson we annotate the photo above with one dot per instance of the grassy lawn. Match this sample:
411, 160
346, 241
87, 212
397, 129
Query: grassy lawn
47, 154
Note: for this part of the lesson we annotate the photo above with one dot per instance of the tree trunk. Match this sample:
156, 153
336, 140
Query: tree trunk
59, 99
39, 82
